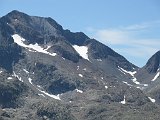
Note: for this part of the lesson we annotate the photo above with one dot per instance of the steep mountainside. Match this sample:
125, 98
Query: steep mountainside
150, 74
51, 73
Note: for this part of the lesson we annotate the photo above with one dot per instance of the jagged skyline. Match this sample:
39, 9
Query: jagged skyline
128, 27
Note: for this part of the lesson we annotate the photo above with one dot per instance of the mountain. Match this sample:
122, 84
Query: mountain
150, 75
51, 73
153, 64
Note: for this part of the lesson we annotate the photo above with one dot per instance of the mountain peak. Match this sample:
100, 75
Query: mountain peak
52, 70
153, 63
16, 13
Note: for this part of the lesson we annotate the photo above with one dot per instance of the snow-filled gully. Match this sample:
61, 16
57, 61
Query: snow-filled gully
134, 79
32, 47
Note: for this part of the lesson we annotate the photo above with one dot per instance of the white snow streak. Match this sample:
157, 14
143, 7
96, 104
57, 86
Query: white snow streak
19, 40
124, 100
25, 71
84, 69
30, 80
100, 60
77, 67
9, 78
50, 95
126, 83
82, 50
80, 75
39, 86
121, 70
1, 71
80, 91
134, 79
156, 76
152, 100
19, 78
145, 85
63, 58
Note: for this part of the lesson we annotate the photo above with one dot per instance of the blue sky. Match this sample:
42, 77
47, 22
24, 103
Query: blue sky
130, 27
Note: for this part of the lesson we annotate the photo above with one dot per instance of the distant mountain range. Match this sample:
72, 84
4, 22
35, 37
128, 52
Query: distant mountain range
48, 73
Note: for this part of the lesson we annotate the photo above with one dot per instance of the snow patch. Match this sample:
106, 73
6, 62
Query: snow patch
19, 40
50, 95
106, 87
19, 78
127, 83
31, 50
100, 60
63, 58
84, 69
146, 85
80, 91
124, 100
30, 80
82, 50
102, 78
1, 71
39, 86
77, 67
156, 76
80, 75
121, 70
152, 100
25, 71
129, 72
134, 79
9, 78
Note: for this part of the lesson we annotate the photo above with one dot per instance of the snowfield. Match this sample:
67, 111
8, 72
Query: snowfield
82, 50
32, 47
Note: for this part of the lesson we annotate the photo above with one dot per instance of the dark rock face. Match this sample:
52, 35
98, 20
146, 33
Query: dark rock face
100, 51
153, 63
9, 55
69, 54
11, 91
65, 86
78, 38
60, 86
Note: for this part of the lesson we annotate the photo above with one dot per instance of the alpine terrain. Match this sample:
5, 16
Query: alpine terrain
48, 73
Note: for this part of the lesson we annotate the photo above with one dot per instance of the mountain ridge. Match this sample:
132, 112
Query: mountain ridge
51, 73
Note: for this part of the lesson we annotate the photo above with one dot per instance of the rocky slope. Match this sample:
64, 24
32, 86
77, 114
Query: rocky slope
51, 73
150, 74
